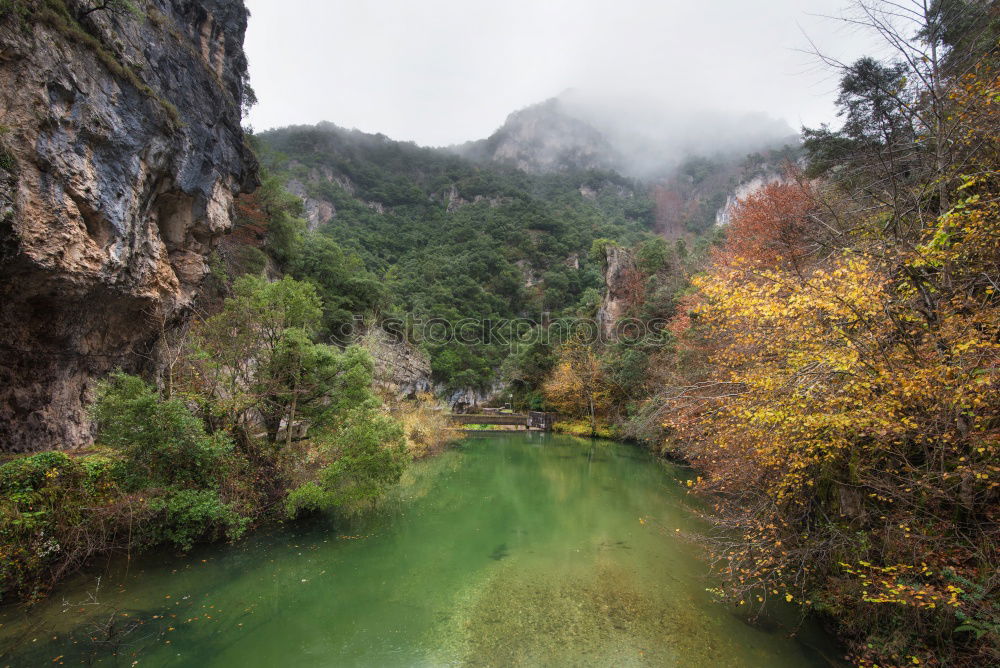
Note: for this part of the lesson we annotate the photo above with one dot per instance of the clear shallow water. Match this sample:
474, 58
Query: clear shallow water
514, 549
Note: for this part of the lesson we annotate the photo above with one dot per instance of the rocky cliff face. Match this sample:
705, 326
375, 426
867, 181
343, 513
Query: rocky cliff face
121, 153
620, 277
401, 369
724, 216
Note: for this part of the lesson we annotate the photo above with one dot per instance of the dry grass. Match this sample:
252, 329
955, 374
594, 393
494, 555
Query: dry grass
426, 425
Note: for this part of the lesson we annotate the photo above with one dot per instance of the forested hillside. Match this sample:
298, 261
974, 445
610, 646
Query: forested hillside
442, 237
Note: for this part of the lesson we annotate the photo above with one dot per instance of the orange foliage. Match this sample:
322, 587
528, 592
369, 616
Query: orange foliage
251, 222
768, 227
681, 322
633, 287
850, 411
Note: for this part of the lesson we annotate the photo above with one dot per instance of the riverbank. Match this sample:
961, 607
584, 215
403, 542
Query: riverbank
177, 487
583, 429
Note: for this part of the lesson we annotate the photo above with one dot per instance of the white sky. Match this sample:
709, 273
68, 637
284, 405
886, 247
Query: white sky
445, 71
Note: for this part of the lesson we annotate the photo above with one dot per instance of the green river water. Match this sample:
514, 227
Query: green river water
512, 549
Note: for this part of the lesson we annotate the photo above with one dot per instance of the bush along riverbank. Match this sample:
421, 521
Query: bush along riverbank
210, 457
585, 429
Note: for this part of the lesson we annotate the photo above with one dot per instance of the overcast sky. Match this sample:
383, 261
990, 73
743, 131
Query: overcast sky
445, 71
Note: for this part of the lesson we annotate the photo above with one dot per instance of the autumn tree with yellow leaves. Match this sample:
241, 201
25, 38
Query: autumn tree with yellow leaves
848, 418
577, 386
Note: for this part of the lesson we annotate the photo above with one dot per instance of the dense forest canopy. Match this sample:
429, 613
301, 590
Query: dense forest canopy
446, 238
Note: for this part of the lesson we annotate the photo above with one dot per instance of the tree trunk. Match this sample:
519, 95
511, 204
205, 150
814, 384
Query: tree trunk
593, 420
291, 414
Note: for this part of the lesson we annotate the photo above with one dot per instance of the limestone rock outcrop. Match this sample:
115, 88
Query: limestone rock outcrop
120, 153
545, 138
619, 282
401, 369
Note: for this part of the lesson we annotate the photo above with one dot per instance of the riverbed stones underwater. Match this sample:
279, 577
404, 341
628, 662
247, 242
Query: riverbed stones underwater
523, 614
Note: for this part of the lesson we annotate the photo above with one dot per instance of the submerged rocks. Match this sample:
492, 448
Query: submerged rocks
603, 616
122, 151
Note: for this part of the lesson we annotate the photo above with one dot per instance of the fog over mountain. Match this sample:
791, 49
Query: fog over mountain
652, 135
638, 137
443, 72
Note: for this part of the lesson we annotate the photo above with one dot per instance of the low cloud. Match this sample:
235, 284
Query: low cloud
442, 72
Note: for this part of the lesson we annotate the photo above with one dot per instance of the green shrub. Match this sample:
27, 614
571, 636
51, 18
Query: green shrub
7, 161
307, 498
57, 511
46, 515
187, 515
161, 440
28, 474
372, 457
101, 473
653, 255
15, 11
251, 260
369, 456
598, 250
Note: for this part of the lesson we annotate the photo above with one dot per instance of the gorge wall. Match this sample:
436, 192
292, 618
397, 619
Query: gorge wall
120, 153
622, 284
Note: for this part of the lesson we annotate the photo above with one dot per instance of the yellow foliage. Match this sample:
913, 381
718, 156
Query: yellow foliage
853, 408
582, 429
835, 365
577, 386
425, 426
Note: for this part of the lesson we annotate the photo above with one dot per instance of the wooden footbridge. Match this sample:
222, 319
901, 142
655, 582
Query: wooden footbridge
530, 421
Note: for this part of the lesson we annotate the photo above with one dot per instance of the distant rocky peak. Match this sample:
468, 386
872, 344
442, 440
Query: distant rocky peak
545, 138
